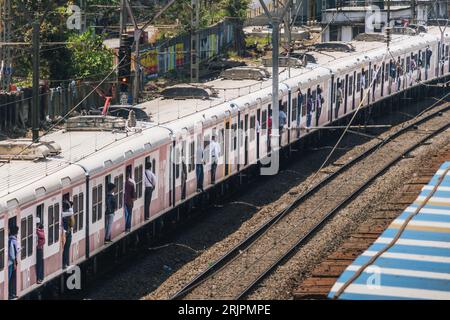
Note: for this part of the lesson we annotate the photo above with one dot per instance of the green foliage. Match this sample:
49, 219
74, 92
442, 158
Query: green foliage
90, 59
235, 8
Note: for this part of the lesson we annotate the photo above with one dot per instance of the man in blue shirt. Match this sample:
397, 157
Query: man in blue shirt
13, 251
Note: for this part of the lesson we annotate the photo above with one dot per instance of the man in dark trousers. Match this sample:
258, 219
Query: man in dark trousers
13, 251
111, 207
129, 198
40, 234
150, 185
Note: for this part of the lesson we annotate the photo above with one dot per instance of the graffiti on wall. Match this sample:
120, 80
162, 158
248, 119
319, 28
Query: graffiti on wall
175, 53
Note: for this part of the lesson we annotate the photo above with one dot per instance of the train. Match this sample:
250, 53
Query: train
78, 161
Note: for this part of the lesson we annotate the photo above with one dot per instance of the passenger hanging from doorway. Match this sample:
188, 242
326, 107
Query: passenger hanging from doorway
199, 162
339, 99
399, 73
282, 122
309, 109
111, 207
40, 235
129, 198
214, 149
184, 174
68, 223
412, 68
269, 131
392, 72
428, 54
374, 81
150, 185
363, 83
319, 103
13, 252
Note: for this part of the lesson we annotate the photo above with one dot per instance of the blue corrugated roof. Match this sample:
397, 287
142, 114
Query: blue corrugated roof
417, 264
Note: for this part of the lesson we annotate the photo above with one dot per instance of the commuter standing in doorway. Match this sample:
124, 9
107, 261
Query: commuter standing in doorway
150, 185
111, 207
40, 234
68, 222
214, 148
199, 161
13, 251
129, 198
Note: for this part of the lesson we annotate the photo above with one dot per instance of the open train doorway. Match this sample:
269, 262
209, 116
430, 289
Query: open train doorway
227, 147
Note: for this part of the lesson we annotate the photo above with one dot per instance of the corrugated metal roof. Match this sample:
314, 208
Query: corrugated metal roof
414, 266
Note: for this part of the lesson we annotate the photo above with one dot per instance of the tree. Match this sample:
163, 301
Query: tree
91, 60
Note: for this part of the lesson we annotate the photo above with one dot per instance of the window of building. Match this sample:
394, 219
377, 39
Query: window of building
97, 203
118, 181
138, 178
53, 224
78, 212
26, 237
2, 249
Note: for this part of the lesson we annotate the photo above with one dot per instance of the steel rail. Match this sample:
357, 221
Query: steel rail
247, 242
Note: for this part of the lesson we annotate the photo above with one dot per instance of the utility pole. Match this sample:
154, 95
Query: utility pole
5, 50
389, 13
195, 41
122, 28
275, 19
137, 39
35, 109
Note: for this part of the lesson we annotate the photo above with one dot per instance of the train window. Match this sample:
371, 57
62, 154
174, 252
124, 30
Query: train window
138, 178
221, 141
2, 249
177, 162
78, 212
192, 156
154, 166
53, 224
408, 64
358, 82
118, 181
294, 109
446, 53
26, 237
264, 120
252, 127
97, 203
350, 86
367, 81
241, 132
40, 212
234, 128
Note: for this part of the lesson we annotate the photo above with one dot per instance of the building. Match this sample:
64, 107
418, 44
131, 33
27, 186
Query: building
342, 20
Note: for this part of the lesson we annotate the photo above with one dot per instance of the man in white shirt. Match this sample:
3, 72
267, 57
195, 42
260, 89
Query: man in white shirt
214, 149
150, 185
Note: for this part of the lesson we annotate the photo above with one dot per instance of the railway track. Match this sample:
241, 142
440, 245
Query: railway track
242, 268
322, 278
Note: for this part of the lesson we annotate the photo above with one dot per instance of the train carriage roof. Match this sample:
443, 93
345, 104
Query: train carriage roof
95, 150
